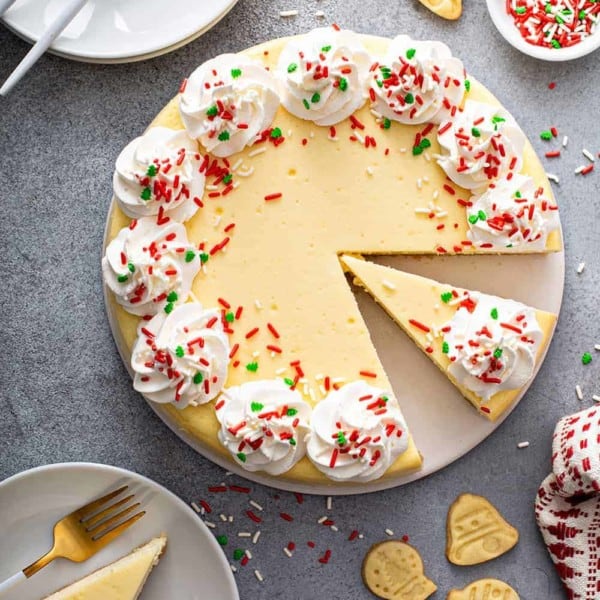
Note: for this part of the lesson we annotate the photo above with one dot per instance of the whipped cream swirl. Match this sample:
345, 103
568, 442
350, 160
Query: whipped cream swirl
492, 344
417, 82
264, 425
159, 169
356, 433
512, 214
480, 144
181, 357
227, 102
323, 75
149, 267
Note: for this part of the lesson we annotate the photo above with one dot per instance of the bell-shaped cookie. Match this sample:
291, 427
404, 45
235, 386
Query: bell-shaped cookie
393, 570
447, 9
476, 531
484, 589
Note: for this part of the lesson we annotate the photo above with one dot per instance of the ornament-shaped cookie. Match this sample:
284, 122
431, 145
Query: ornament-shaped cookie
484, 589
476, 531
393, 570
447, 9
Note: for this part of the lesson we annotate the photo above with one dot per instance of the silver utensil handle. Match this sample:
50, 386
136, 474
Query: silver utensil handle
12, 581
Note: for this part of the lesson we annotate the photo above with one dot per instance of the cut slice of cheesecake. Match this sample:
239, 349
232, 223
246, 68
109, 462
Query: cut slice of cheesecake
488, 347
120, 580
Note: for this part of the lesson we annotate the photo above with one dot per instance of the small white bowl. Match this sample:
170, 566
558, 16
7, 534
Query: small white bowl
506, 26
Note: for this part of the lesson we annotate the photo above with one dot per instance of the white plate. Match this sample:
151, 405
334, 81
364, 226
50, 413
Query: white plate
193, 565
506, 26
118, 30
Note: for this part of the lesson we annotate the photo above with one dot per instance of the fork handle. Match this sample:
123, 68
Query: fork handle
12, 581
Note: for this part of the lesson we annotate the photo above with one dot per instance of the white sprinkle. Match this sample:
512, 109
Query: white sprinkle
290, 132
233, 568
426, 156
230, 519
425, 179
334, 528
248, 554
288, 13
322, 519
441, 214
237, 165
359, 137
580, 268
211, 188
595, 398
388, 285
256, 536
422, 211
338, 380
281, 371
244, 534
523, 445
389, 532
565, 141
258, 304
312, 395
579, 169
223, 517
320, 14
258, 575
256, 354
597, 347
360, 536
329, 502
588, 155
257, 152
195, 507
209, 524
402, 150
256, 505
311, 134
369, 170
579, 392
322, 390
436, 194
287, 552
419, 184
319, 377
553, 177
246, 173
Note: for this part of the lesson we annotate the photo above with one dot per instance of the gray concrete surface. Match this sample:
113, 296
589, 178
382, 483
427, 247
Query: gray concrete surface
65, 396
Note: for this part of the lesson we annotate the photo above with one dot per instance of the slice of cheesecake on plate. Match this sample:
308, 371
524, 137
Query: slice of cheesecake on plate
489, 347
122, 579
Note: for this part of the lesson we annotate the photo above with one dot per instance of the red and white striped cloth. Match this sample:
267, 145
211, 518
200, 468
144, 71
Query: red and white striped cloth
567, 507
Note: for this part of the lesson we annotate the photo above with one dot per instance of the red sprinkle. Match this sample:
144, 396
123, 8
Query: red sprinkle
353, 535
273, 331
205, 505
368, 374
217, 488
275, 196
253, 516
420, 326
286, 516
325, 558
299, 497
239, 488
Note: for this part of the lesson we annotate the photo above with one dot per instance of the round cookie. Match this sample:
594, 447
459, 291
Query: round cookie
484, 589
393, 570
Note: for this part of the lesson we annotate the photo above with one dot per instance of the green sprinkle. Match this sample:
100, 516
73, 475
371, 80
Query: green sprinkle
227, 179
386, 72
122, 278
410, 53
343, 84
586, 358
494, 313
386, 123
198, 378
498, 119
582, 14
256, 406
252, 367
497, 352
325, 48
224, 136
288, 381
222, 539
179, 351
213, 111
315, 97
467, 85
241, 456
475, 132
292, 412
189, 256
152, 171
172, 297
546, 135
520, 10
306, 104
230, 317
146, 194
169, 308
548, 8
559, 19
292, 442
131, 267
473, 219
482, 216
445, 347
292, 67
203, 257
341, 438
517, 194
235, 73
425, 143
446, 297
379, 82
556, 44
409, 98
238, 553
417, 150
276, 133
384, 398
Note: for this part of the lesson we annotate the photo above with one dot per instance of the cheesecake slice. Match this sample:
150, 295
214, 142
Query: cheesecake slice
488, 347
123, 579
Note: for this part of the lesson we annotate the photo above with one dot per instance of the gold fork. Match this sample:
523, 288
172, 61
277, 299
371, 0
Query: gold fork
81, 534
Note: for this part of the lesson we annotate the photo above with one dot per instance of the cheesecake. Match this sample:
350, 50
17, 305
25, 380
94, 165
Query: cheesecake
122, 579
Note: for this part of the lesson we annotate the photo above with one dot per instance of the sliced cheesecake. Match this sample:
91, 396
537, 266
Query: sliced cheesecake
488, 347
123, 579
